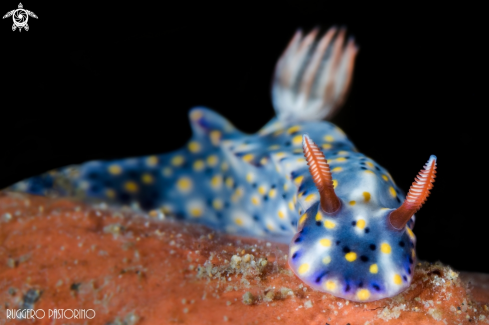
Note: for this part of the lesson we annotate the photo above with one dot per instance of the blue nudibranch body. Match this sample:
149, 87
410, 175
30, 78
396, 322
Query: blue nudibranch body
349, 225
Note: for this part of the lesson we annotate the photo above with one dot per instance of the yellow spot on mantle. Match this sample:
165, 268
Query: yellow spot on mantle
293, 129
303, 218
248, 157
298, 180
194, 146
280, 154
147, 178
397, 279
215, 137
410, 232
212, 160
291, 205
319, 217
392, 191
363, 294
281, 214
385, 178
131, 187
337, 169
237, 194
195, 115
255, 200
278, 132
341, 159
199, 165
369, 164
328, 138
326, 146
272, 193
330, 285
224, 166
335, 183
366, 196
184, 184
110, 193
217, 204
351, 256
152, 161
325, 242
385, 248
353, 202
239, 191
229, 182
262, 190
115, 169
196, 212
329, 224
238, 221
216, 182
310, 197
177, 161
249, 177
167, 209
327, 260
297, 140
303, 268
360, 223
340, 131
374, 268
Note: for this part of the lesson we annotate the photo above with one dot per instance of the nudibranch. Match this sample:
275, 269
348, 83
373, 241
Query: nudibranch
353, 242
298, 178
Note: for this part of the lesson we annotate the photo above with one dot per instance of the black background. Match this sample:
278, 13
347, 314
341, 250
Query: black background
97, 82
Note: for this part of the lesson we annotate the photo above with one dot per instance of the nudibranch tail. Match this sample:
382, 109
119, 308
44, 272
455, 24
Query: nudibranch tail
417, 195
321, 174
312, 77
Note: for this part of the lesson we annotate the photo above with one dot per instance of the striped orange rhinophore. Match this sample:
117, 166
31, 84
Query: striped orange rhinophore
319, 169
417, 195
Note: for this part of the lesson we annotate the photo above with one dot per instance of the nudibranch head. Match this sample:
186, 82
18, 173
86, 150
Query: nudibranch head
356, 249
